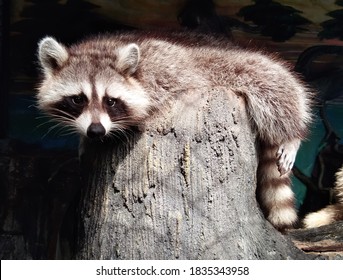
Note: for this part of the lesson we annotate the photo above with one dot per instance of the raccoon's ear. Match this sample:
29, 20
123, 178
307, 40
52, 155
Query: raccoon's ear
127, 59
52, 55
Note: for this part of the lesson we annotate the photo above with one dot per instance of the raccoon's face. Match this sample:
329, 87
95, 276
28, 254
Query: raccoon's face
90, 87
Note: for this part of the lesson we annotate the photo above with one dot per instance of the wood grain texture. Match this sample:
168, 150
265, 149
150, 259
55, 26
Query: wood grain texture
325, 241
184, 188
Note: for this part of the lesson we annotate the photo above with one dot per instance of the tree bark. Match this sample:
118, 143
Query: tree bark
181, 188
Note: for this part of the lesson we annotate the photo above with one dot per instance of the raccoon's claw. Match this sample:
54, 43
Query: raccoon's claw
286, 155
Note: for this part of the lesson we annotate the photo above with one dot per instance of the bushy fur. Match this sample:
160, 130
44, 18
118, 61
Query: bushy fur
331, 213
145, 71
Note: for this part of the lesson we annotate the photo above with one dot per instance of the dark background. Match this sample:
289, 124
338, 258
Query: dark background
39, 168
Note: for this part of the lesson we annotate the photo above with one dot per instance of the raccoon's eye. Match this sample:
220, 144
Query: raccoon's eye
78, 100
110, 101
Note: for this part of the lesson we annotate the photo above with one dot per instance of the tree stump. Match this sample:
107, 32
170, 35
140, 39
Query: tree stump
182, 187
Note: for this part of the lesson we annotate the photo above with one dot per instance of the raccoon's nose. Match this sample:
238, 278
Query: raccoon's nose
96, 130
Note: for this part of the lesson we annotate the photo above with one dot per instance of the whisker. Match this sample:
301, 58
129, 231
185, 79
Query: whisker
62, 114
60, 124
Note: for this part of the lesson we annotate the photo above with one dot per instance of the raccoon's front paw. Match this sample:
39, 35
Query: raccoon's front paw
286, 155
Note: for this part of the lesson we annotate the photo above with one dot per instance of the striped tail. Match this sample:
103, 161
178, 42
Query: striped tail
274, 191
331, 213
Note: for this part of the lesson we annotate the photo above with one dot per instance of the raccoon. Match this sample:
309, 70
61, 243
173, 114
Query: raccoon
331, 213
111, 82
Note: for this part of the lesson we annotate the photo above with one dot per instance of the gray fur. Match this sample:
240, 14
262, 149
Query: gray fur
147, 71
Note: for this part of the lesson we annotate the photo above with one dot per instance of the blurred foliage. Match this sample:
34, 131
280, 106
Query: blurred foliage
275, 20
333, 28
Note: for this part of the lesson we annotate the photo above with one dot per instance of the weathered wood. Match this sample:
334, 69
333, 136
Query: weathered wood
325, 241
183, 188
